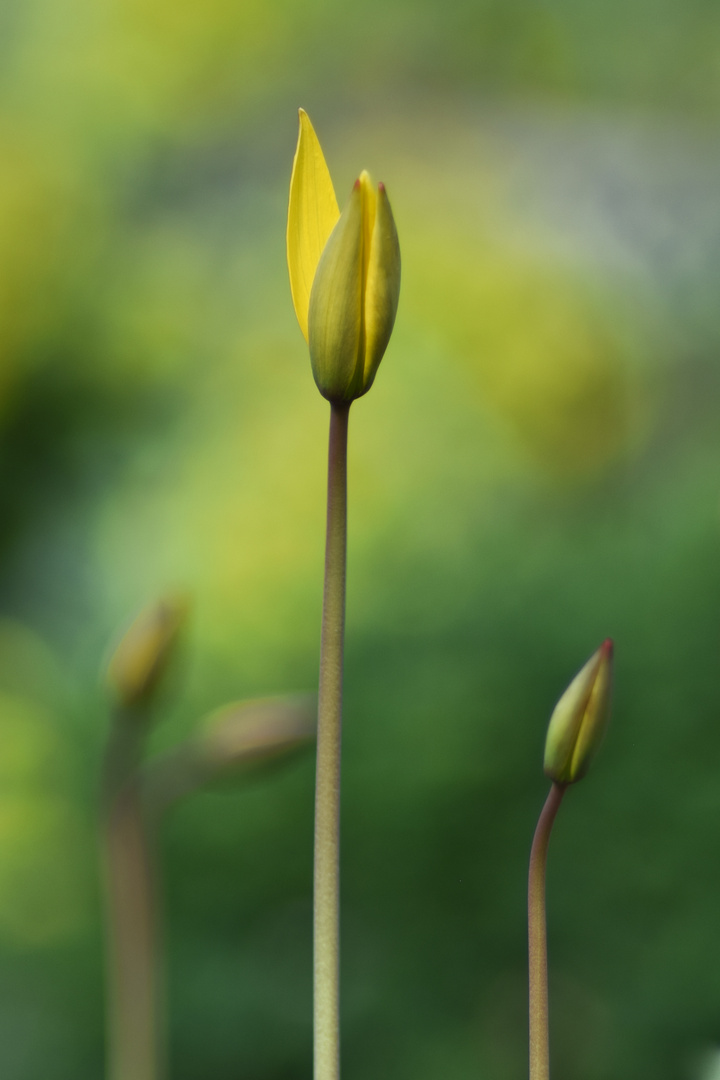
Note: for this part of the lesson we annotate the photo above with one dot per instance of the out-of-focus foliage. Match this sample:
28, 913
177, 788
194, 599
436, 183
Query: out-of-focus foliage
537, 467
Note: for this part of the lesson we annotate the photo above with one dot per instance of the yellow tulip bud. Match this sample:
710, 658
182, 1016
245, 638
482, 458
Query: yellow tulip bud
579, 720
141, 658
344, 272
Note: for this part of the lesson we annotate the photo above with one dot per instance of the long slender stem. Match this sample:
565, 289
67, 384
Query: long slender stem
537, 938
133, 992
326, 994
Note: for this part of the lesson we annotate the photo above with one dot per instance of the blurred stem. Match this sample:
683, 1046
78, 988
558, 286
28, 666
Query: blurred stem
537, 938
326, 907
132, 1007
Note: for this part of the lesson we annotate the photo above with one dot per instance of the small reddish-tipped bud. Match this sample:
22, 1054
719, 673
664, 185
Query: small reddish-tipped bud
140, 660
579, 720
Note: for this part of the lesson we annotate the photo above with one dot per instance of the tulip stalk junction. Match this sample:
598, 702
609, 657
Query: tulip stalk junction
135, 1004
135, 996
537, 938
326, 908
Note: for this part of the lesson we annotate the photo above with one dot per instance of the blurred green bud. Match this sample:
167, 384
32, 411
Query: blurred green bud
140, 660
344, 272
354, 296
250, 733
243, 738
579, 720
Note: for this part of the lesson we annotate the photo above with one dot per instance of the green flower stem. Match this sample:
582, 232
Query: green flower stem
326, 993
133, 1037
537, 938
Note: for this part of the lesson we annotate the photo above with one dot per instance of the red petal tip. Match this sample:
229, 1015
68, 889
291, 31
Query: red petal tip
608, 647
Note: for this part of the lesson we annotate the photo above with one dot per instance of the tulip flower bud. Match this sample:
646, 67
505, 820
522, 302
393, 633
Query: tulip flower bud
344, 272
354, 295
140, 660
579, 720
251, 733
240, 740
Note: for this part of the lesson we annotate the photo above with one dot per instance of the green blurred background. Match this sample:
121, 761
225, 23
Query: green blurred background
537, 467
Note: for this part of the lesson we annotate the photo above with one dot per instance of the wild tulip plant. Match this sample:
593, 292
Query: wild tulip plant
345, 283
233, 742
134, 999
577, 727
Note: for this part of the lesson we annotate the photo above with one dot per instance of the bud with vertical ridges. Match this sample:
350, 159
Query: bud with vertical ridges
344, 272
579, 720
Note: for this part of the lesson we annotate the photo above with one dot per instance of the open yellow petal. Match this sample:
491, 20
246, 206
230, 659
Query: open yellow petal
312, 214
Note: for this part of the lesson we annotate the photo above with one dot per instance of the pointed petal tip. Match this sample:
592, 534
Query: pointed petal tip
305, 125
312, 214
608, 648
381, 187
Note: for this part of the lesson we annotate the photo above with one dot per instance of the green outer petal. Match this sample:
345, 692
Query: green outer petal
579, 719
369, 209
595, 721
335, 316
382, 287
312, 214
